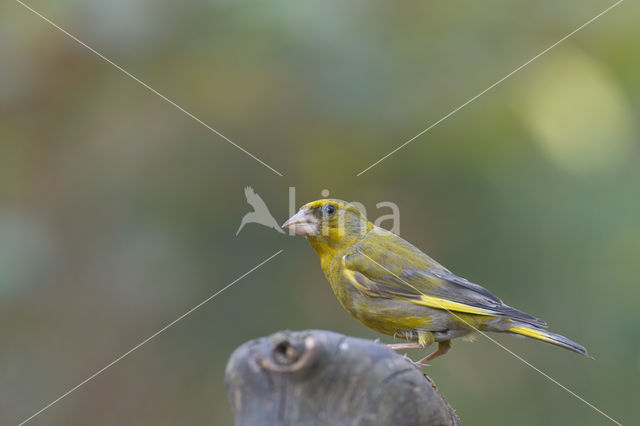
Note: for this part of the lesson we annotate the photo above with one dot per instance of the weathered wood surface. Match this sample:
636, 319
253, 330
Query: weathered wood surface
317, 377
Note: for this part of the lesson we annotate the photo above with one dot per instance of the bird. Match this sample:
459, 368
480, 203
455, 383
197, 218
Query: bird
392, 287
260, 213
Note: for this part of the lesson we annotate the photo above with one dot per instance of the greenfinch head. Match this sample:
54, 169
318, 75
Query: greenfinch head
329, 223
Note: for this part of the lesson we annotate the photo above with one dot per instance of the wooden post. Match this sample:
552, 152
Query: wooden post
317, 377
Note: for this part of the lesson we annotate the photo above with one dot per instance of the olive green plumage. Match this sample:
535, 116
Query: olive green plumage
394, 288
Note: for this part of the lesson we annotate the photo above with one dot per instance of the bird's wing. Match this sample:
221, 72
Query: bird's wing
418, 279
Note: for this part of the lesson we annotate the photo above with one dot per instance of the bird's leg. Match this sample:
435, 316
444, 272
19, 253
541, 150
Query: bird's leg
399, 346
443, 348
425, 338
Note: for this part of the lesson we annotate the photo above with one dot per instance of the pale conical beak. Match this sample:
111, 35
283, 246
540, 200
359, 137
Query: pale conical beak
303, 223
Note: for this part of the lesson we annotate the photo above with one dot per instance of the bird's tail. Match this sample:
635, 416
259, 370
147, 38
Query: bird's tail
546, 336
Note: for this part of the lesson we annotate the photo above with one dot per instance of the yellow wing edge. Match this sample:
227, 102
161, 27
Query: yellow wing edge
436, 302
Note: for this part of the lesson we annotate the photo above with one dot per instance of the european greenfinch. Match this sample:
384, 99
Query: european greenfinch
394, 288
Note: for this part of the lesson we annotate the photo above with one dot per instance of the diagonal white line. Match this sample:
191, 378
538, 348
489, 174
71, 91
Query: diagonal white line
502, 346
94, 375
145, 85
491, 87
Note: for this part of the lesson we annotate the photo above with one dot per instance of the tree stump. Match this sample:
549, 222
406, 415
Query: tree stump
317, 377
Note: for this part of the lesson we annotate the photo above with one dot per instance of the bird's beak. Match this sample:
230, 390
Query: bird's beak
303, 223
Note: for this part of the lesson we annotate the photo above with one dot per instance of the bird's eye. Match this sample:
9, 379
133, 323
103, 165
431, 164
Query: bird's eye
331, 209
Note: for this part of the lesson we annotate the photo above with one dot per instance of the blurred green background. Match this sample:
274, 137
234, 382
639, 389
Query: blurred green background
118, 212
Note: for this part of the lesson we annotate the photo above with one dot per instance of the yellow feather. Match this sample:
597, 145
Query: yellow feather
425, 338
436, 302
530, 332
